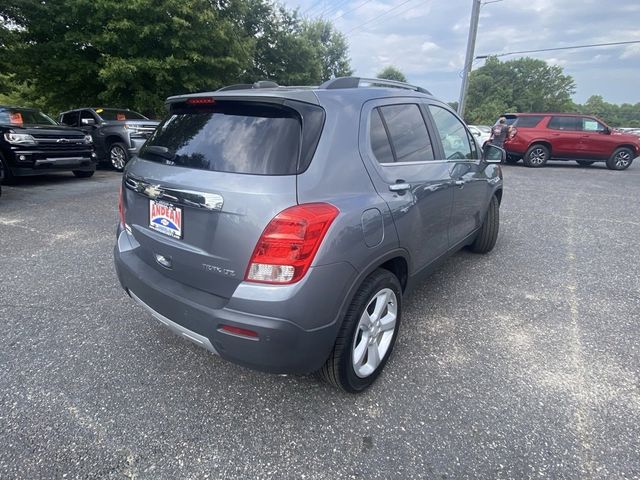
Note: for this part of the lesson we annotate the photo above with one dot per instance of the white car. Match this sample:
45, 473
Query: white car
480, 134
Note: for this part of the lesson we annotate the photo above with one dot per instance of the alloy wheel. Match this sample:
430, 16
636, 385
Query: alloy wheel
118, 157
622, 158
374, 332
537, 156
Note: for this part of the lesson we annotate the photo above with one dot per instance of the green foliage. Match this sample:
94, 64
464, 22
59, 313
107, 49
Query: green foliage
625, 115
521, 85
70, 53
392, 73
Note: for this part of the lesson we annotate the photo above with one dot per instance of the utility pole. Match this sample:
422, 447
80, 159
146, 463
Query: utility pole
471, 46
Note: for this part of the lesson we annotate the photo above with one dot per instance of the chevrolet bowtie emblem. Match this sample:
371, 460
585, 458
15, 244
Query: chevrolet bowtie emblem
153, 191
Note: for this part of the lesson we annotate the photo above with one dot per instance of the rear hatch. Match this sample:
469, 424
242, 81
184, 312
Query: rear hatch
209, 180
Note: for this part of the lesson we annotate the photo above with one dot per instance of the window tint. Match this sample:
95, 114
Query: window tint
591, 125
528, 121
228, 137
24, 116
454, 136
409, 137
70, 119
111, 114
564, 123
379, 139
86, 114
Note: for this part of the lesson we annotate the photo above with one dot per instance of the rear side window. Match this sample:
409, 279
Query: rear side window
563, 123
408, 134
237, 137
528, 121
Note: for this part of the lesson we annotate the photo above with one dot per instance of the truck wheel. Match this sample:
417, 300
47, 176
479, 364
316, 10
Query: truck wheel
621, 159
584, 163
6, 176
537, 156
118, 156
83, 173
367, 334
488, 234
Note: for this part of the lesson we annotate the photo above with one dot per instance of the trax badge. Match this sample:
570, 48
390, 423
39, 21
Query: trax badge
165, 219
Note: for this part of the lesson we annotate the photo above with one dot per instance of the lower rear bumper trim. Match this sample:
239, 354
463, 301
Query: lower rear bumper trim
176, 328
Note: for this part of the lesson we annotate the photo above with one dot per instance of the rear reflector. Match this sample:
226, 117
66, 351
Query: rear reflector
239, 331
121, 207
289, 243
200, 101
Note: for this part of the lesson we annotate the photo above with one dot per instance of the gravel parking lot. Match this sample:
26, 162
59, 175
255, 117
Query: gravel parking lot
521, 363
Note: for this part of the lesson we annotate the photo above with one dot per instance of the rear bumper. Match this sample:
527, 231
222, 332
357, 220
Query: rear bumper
298, 341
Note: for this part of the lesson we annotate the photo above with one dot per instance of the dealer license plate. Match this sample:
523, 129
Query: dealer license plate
165, 218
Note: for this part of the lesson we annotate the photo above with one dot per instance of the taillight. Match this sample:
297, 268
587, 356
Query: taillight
512, 132
121, 207
289, 243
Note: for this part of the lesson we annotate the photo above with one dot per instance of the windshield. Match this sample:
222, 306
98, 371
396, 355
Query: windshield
111, 114
24, 116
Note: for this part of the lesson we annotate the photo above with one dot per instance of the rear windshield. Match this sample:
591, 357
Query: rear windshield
24, 116
113, 114
229, 137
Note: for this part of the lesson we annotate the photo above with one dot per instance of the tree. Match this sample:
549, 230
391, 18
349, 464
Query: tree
392, 73
72, 53
521, 85
625, 115
294, 51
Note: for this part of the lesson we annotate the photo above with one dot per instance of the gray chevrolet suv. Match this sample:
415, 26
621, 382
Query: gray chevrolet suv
280, 227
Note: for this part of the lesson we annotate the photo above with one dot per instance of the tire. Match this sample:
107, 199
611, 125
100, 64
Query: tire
584, 163
83, 173
537, 156
118, 156
6, 177
621, 159
486, 238
340, 369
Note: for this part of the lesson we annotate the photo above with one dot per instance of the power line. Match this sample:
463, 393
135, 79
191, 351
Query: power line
379, 16
559, 48
404, 11
352, 10
333, 8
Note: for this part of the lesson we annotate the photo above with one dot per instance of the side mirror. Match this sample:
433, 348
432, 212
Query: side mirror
493, 154
88, 121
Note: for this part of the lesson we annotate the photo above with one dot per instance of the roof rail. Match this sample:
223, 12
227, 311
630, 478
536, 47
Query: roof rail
354, 82
249, 86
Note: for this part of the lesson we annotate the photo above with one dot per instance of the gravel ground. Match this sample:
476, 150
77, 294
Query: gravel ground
521, 363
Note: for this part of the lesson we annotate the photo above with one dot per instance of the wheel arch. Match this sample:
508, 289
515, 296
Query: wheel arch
546, 143
111, 139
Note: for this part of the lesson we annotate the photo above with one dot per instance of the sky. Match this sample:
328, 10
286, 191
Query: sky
426, 39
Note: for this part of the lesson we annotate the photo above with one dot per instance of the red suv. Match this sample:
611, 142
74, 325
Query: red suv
539, 137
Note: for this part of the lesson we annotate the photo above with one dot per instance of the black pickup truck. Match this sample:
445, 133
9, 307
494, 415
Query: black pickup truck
118, 133
32, 144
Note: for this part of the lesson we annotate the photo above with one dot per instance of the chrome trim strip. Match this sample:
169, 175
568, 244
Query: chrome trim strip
189, 198
190, 335
62, 160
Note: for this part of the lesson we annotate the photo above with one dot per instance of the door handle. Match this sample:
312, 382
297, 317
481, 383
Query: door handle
459, 183
400, 187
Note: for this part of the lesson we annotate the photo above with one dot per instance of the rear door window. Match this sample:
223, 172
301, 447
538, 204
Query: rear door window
564, 123
528, 121
237, 137
408, 134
